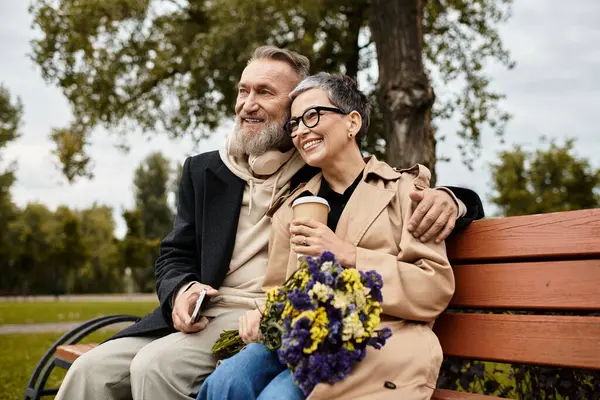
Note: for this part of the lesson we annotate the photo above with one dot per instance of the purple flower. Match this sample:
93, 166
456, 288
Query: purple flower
300, 300
323, 367
376, 293
313, 265
318, 276
328, 256
327, 278
294, 339
382, 336
372, 280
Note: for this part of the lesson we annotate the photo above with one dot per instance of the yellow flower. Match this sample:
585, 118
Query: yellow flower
352, 278
302, 276
318, 330
273, 295
289, 310
373, 310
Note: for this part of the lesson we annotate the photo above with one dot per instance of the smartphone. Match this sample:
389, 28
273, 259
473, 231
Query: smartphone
196, 313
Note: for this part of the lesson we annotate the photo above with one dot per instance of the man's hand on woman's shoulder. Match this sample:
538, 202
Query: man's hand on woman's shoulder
435, 214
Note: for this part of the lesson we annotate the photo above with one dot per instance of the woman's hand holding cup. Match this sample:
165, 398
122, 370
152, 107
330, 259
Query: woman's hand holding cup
312, 238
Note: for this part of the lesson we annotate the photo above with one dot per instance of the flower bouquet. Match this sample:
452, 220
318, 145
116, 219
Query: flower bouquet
320, 321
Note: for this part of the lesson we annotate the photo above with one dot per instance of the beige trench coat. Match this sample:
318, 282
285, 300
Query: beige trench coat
418, 282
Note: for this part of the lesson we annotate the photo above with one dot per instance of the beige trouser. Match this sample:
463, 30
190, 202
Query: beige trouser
140, 368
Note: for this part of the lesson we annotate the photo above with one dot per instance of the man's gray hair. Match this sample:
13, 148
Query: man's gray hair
297, 61
342, 93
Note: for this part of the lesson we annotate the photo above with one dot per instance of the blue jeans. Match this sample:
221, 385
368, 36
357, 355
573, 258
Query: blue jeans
253, 373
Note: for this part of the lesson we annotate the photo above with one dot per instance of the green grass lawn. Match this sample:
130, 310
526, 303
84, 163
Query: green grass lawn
19, 355
58, 311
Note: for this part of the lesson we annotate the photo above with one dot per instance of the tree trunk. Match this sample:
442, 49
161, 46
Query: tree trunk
356, 16
404, 93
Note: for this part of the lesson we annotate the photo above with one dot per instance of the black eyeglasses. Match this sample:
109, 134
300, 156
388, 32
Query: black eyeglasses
310, 118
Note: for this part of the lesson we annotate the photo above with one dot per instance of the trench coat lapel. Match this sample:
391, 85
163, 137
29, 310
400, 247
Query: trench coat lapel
365, 204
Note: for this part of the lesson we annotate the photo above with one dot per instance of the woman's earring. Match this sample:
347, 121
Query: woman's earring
350, 135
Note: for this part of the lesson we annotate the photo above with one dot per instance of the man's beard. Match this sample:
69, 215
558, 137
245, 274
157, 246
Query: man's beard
271, 136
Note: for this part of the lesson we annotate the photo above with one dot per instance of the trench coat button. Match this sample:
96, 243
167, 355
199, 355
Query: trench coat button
389, 385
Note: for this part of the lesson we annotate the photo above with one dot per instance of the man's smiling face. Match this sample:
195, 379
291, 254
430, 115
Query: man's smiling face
262, 106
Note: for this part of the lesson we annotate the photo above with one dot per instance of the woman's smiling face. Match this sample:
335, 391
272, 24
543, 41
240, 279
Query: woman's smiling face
329, 138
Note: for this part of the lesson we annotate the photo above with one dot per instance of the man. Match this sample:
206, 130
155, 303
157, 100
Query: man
219, 243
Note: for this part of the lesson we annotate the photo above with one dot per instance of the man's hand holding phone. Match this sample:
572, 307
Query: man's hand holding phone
185, 305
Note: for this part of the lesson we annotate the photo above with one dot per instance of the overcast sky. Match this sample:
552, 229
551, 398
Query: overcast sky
554, 91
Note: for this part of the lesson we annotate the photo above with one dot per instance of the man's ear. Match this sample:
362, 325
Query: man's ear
354, 122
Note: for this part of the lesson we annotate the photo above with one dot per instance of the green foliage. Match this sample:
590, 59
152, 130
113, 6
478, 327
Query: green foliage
31, 236
75, 251
518, 381
460, 39
151, 188
11, 113
547, 180
58, 252
70, 149
10, 120
150, 221
139, 253
103, 271
172, 66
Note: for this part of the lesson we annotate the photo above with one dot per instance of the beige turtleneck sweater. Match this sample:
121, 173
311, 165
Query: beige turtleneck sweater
241, 289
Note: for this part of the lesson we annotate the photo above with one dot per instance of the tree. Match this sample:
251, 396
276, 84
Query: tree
103, 272
139, 253
150, 221
171, 66
69, 252
151, 188
11, 113
547, 180
32, 237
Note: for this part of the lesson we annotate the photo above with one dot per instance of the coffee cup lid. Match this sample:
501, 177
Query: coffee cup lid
310, 199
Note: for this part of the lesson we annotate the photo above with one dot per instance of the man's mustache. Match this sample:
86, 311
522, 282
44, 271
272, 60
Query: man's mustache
250, 116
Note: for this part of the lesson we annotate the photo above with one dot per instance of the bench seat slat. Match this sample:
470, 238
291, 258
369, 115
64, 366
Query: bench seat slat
72, 352
566, 285
443, 394
564, 235
562, 341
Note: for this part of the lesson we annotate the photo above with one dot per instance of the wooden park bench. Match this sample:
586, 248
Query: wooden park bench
547, 262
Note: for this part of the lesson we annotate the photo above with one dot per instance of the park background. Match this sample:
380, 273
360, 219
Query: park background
88, 183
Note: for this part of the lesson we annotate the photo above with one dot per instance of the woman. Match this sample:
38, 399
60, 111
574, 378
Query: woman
365, 229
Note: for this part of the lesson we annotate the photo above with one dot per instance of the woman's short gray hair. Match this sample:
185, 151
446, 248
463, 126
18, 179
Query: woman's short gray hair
342, 93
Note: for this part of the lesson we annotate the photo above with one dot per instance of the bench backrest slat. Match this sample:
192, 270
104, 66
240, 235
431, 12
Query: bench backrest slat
565, 341
547, 262
565, 235
547, 285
